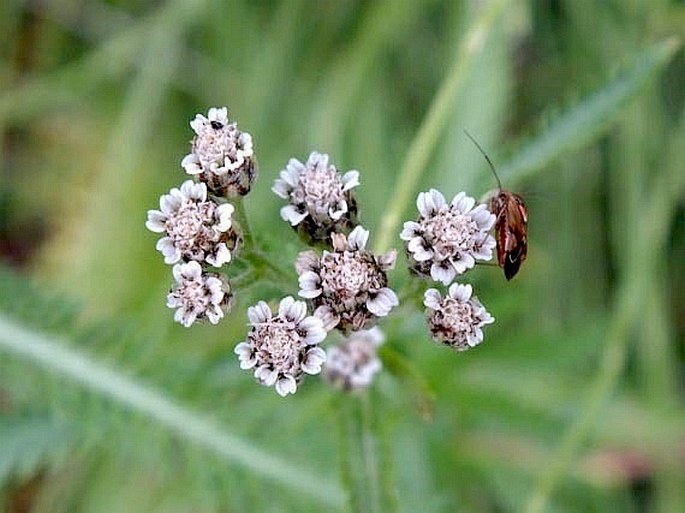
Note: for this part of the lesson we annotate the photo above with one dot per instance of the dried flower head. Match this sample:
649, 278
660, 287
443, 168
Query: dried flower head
222, 156
197, 295
196, 228
320, 198
282, 347
353, 363
348, 286
458, 318
447, 239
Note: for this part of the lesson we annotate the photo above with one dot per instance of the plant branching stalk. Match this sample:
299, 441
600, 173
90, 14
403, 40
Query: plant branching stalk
244, 225
55, 356
262, 265
369, 452
360, 460
433, 124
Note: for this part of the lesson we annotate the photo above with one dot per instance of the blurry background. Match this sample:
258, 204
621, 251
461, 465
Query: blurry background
573, 403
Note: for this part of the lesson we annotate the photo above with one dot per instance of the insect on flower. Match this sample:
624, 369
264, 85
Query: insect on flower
511, 225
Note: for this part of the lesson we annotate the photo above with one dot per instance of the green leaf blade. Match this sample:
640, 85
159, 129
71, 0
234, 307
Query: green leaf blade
591, 117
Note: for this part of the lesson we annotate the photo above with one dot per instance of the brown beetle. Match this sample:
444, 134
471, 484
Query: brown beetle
511, 225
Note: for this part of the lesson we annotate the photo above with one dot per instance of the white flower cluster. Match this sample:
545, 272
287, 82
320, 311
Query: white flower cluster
343, 285
195, 227
197, 295
443, 243
458, 318
197, 221
346, 285
320, 200
222, 156
352, 364
282, 347
447, 239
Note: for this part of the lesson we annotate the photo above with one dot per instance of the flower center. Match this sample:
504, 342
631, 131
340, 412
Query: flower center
347, 274
278, 344
458, 316
194, 296
212, 145
319, 188
191, 228
449, 232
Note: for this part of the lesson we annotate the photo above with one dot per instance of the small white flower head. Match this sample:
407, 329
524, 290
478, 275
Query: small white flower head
353, 363
447, 239
195, 227
457, 319
198, 296
320, 199
222, 156
348, 286
281, 347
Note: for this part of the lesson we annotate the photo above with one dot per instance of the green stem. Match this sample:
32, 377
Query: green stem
411, 291
412, 379
244, 280
55, 356
361, 469
244, 223
264, 267
439, 113
369, 448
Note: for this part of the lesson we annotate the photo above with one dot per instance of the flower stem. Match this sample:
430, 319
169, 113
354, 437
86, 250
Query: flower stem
362, 470
262, 265
434, 122
411, 291
244, 223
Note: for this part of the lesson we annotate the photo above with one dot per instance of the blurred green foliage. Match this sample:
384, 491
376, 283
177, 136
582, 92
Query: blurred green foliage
573, 403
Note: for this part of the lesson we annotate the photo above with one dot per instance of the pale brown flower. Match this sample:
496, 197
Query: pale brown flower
349, 285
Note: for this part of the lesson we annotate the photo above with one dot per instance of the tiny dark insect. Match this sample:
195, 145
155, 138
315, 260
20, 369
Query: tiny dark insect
511, 225
216, 125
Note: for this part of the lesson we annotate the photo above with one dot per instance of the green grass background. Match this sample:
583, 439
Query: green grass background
573, 403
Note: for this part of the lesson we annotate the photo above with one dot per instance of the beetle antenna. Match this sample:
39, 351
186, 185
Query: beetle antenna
492, 166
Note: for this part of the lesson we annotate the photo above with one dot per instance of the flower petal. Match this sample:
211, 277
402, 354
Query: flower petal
310, 285
259, 313
350, 180
386, 261
307, 261
167, 247
221, 256
383, 302
292, 215
286, 385
155, 221
313, 360
266, 375
411, 229
417, 247
224, 215
329, 319
357, 238
443, 273
460, 292
281, 189
432, 299
291, 174
314, 330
